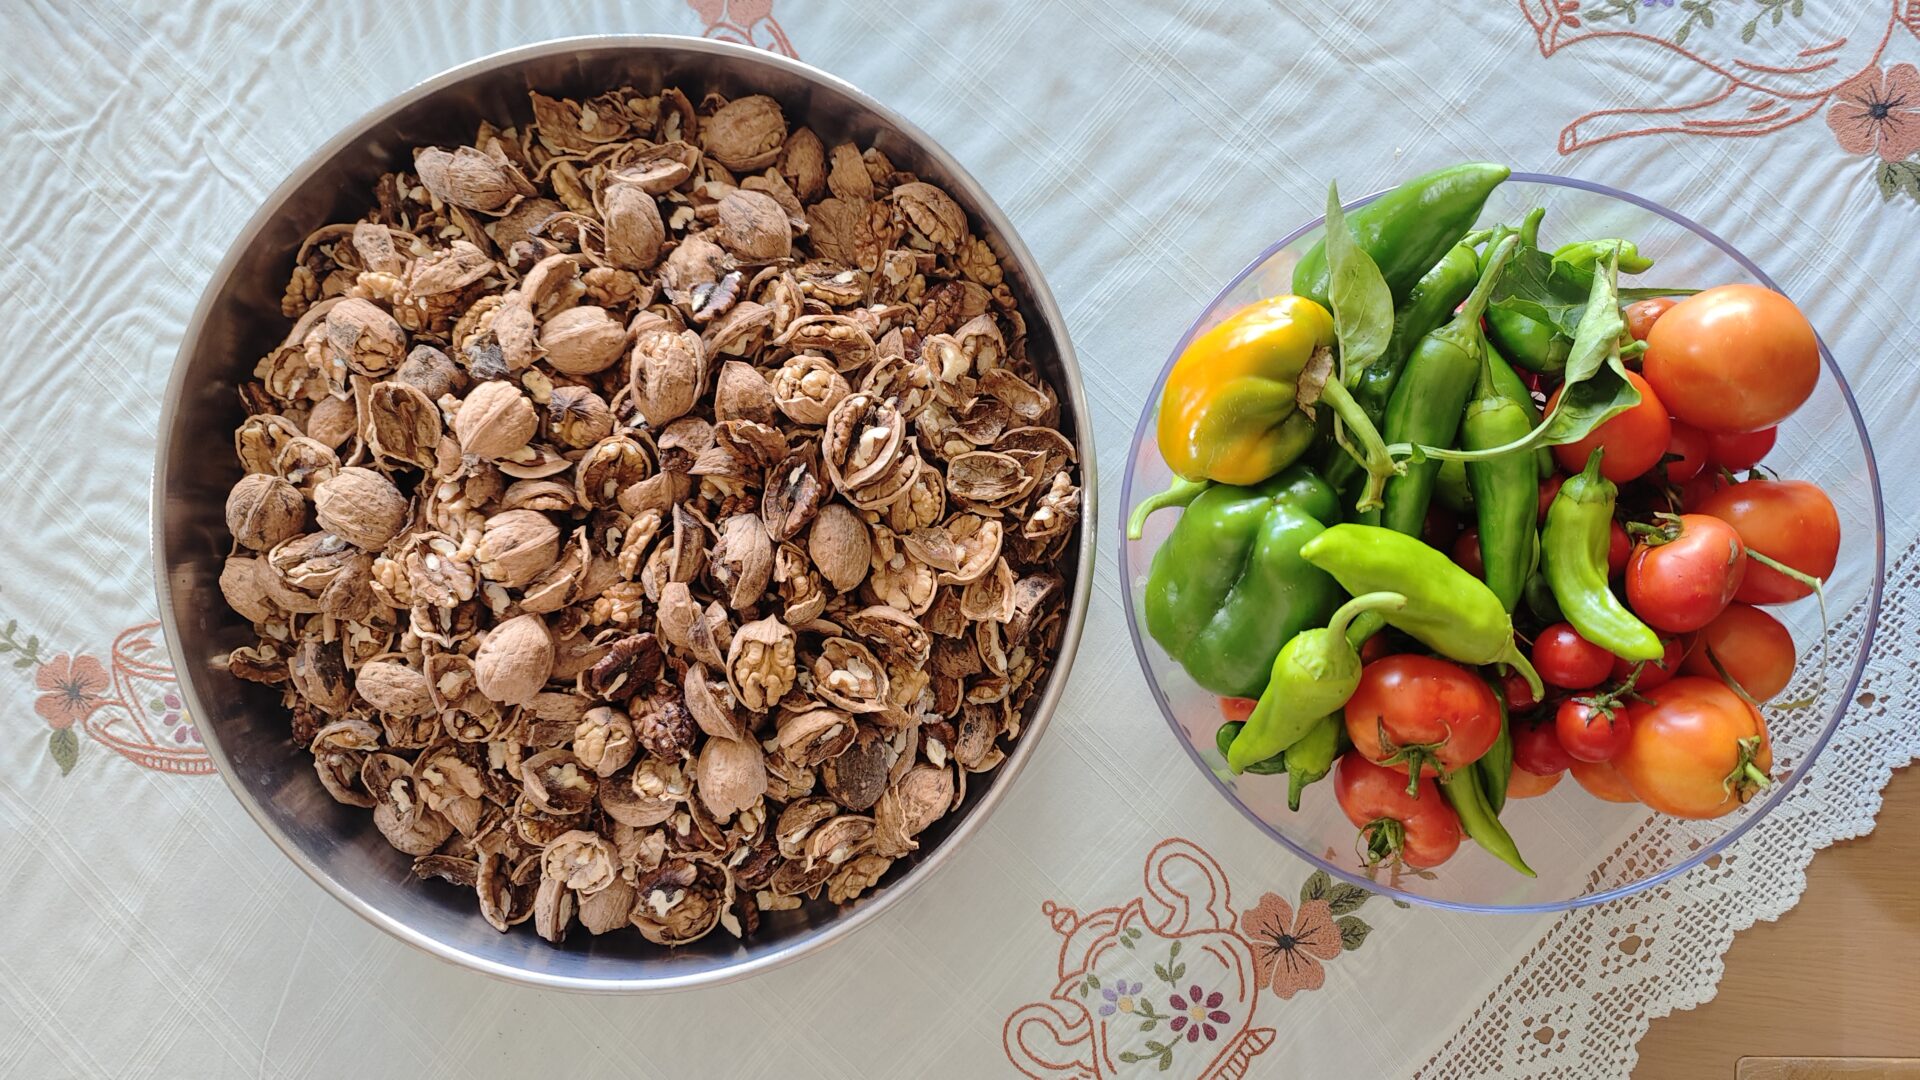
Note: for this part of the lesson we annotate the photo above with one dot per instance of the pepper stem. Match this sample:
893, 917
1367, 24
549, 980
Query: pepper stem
1372, 451
1181, 492
1476, 305
1373, 601
1518, 661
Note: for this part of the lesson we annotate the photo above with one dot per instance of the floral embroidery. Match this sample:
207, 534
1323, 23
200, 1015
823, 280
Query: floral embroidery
73, 687
748, 22
130, 703
1196, 1015
1119, 998
1879, 112
1288, 949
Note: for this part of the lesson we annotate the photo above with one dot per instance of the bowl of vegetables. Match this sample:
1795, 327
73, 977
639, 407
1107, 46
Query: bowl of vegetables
1511, 544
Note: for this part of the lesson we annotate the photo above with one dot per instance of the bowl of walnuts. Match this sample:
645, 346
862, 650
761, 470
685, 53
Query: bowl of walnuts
620, 512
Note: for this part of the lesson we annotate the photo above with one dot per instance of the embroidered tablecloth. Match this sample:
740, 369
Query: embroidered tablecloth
1115, 918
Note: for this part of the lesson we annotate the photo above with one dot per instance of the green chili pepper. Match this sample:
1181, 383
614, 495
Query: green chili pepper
1581, 258
1449, 610
1314, 674
1534, 345
1427, 308
1311, 758
1451, 488
1433, 391
1272, 766
1463, 789
1510, 384
1506, 489
1228, 587
1408, 229
1574, 556
1181, 492
1496, 765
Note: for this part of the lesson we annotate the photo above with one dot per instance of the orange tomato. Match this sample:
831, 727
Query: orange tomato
1732, 358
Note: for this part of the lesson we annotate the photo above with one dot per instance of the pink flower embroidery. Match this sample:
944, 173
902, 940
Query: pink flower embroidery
1287, 950
72, 686
1878, 111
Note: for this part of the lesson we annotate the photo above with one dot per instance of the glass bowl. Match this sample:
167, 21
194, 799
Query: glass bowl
1586, 851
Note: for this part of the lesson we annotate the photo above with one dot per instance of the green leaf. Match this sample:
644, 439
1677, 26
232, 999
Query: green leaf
1345, 899
1885, 178
1362, 303
1316, 886
1628, 296
64, 745
1179, 972
13, 626
6, 646
1174, 951
23, 663
1161, 973
1353, 931
1084, 988
1093, 981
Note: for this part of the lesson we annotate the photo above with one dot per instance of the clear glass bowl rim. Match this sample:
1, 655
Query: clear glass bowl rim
1721, 843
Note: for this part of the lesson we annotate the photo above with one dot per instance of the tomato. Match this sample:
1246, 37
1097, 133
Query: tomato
1657, 671
1791, 521
1695, 492
1619, 549
1591, 733
1522, 784
1420, 830
1548, 489
1635, 440
1441, 526
1513, 687
1237, 709
1642, 314
1411, 708
1687, 453
1697, 750
1753, 646
1684, 583
1376, 647
1537, 749
1565, 659
1739, 450
1602, 781
1733, 358
1466, 552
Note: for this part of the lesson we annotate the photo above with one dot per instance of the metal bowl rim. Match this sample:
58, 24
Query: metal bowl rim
1041, 297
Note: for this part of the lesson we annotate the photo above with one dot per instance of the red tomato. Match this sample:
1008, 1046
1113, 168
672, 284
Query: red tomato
1522, 784
1376, 647
1791, 521
1602, 781
1687, 453
1619, 548
1698, 490
1420, 830
1565, 659
1642, 314
1237, 709
1441, 526
1740, 450
1514, 688
1753, 646
1697, 750
1733, 358
1684, 583
1430, 711
1635, 440
1589, 733
1657, 671
1537, 749
1548, 489
1466, 552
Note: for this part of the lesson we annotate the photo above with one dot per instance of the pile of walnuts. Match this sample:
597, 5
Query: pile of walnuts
652, 515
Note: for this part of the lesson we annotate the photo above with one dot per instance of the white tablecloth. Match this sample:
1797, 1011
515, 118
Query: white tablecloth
1145, 151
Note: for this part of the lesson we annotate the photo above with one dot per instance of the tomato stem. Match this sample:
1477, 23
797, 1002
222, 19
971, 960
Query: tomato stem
1772, 563
1746, 777
1382, 840
1416, 756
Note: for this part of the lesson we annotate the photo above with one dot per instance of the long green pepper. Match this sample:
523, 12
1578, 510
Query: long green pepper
1314, 674
1408, 229
1573, 550
1496, 765
1465, 791
1311, 759
1432, 393
1506, 489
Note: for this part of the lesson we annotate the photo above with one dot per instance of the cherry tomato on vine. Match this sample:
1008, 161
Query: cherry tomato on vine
1656, 671
1602, 781
1420, 829
1466, 552
1642, 314
1591, 733
1697, 749
1566, 660
1683, 583
1753, 647
1411, 708
1537, 749
1522, 784
1687, 452
1735, 451
1635, 439
1791, 521
1733, 358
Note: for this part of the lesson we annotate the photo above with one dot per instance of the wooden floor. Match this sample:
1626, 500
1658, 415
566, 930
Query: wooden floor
1837, 976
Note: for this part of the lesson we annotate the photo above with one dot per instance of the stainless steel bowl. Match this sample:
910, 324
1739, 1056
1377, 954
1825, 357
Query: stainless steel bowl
239, 319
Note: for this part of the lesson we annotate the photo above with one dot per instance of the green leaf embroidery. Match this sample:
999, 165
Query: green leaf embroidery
64, 745
1093, 981
1612, 8
1179, 972
1353, 931
1174, 951
23, 663
1897, 177
1160, 972
1345, 899
1316, 886
1362, 303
